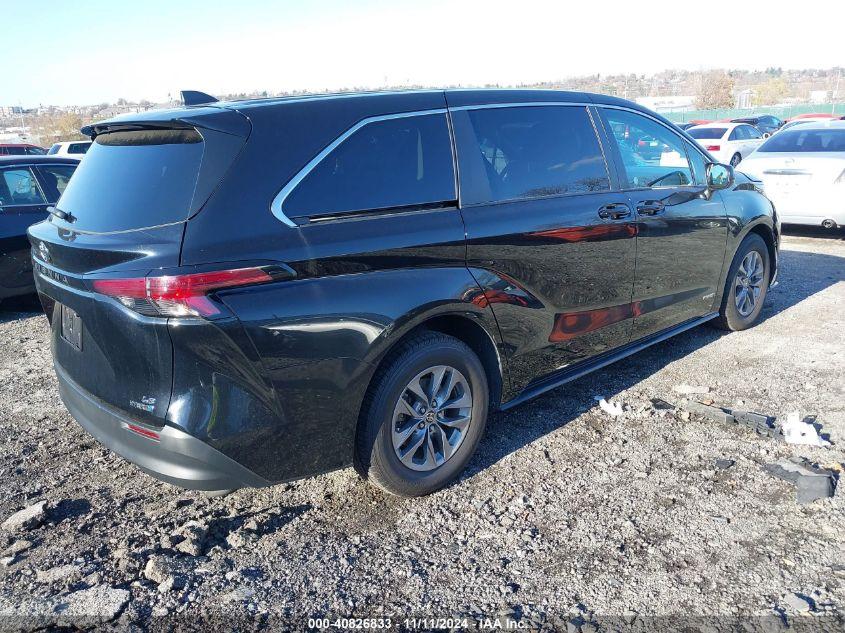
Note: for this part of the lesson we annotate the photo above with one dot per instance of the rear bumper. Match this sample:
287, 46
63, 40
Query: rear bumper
176, 458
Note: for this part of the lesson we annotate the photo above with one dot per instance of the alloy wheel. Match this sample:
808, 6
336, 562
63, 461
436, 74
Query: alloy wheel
431, 418
748, 284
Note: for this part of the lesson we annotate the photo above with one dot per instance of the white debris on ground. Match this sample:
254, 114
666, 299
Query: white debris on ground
796, 431
614, 409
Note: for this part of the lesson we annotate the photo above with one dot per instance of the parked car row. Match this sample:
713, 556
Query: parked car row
21, 149
801, 162
228, 311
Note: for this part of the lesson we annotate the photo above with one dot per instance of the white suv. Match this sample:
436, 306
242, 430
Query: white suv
71, 149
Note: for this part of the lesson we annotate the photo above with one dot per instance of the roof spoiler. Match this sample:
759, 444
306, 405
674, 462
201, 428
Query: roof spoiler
195, 97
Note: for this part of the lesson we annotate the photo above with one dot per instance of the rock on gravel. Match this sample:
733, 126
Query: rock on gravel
797, 602
192, 536
57, 574
100, 602
26, 519
688, 390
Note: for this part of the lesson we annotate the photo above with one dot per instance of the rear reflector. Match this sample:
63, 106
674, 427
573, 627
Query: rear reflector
178, 295
140, 430
713, 148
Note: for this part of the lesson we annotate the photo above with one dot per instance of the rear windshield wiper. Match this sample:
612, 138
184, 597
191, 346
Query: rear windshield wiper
62, 215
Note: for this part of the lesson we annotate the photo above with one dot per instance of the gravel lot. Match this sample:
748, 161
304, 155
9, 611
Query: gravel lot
567, 516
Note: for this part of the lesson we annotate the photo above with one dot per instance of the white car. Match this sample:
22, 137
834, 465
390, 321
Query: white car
70, 149
791, 124
803, 173
729, 143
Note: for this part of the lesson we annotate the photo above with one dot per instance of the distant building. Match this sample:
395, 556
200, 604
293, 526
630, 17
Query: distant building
819, 96
674, 103
743, 99
8, 111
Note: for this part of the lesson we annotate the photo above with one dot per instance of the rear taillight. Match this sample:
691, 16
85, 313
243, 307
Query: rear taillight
178, 295
713, 148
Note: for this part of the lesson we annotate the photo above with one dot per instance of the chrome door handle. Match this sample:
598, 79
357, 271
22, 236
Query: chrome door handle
650, 207
615, 211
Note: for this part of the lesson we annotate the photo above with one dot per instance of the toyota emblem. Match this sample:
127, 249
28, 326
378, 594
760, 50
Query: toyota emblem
44, 252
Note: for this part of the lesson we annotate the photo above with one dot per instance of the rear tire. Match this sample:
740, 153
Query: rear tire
736, 159
746, 286
423, 416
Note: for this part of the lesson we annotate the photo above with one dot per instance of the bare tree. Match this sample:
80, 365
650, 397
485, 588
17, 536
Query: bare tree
716, 91
772, 92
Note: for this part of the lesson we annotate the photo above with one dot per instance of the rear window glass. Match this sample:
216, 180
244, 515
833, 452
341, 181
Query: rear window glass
134, 179
386, 164
801, 140
78, 148
707, 132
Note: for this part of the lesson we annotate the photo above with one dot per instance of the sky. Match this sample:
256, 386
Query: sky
59, 52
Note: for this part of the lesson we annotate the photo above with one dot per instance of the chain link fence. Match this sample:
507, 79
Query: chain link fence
782, 112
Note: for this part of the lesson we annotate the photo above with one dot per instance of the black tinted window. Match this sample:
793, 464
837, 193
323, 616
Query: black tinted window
797, 139
385, 164
528, 152
706, 133
55, 179
77, 148
135, 179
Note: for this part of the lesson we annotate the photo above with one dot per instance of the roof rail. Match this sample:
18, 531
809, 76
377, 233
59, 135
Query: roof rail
194, 97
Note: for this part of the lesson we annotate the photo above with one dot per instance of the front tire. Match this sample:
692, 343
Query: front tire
423, 416
746, 286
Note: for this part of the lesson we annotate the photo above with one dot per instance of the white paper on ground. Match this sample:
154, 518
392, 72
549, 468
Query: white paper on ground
796, 431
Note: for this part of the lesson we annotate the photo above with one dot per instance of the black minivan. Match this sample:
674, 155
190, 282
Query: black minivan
250, 292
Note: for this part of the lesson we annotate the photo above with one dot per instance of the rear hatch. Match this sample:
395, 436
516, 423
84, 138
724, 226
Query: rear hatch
118, 225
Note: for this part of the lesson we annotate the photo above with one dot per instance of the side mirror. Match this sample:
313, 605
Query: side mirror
719, 176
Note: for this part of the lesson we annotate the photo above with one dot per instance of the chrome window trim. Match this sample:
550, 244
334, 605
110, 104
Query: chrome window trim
520, 104
277, 206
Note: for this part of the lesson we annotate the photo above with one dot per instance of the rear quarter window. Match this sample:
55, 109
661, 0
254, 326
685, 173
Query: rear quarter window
390, 163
